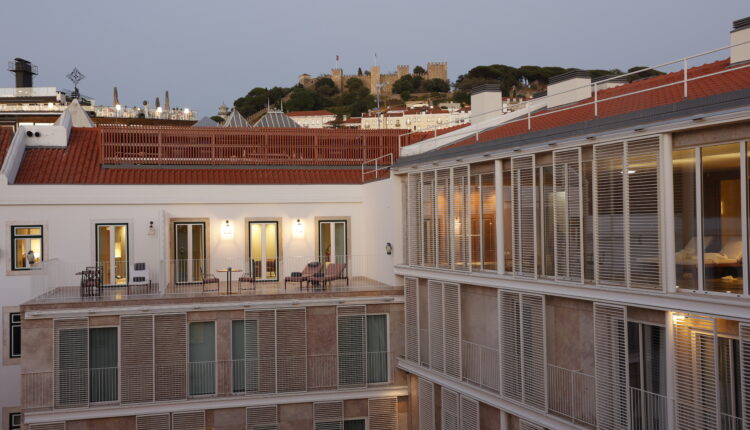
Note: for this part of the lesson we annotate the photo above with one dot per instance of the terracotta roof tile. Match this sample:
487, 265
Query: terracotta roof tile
6, 135
310, 113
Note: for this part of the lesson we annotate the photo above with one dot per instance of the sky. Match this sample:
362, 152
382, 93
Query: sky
209, 52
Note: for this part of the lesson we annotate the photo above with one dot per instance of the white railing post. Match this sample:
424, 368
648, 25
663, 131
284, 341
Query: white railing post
528, 119
685, 77
596, 100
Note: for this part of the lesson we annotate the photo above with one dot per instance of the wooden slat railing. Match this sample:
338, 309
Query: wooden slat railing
248, 146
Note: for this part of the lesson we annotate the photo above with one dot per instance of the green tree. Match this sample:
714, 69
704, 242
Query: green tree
326, 87
304, 99
218, 119
354, 84
436, 85
419, 70
405, 95
404, 83
461, 96
643, 74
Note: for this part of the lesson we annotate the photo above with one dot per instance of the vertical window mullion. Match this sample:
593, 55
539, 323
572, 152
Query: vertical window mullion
699, 216
743, 211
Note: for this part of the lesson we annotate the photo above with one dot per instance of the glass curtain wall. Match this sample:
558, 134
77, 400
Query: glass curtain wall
685, 222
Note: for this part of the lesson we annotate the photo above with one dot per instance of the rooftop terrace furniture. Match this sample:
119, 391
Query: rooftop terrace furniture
91, 281
332, 272
210, 279
248, 277
309, 270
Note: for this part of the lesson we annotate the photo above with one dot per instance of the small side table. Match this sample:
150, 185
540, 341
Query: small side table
229, 272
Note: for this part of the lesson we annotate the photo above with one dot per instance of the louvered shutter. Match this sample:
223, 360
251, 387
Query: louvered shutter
452, 328
193, 420
382, 413
469, 413
695, 372
411, 319
609, 214
71, 363
508, 310
435, 316
533, 351
291, 352
523, 204
152, 422
352, 346
642, 229
328, 415
459, 222
261, 418
527, 425
444, 219
260, 351
426, 405
137, 358
414, 218
611, 366
745, 372
567, 208
449, 405
170, 358
429, 226
47, 426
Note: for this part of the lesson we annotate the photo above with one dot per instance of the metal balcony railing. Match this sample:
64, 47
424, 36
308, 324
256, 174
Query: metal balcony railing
572, 394
481, 365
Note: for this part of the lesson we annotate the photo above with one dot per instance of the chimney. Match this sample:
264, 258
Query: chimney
486, 102
740, 34
24, 71
612, 81
570, 87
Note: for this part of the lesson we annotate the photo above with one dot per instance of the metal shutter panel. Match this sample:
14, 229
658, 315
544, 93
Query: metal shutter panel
444, 219
429, 229
426, 405
526, 425
47, 426
469, 413
414, 218
411, 319
328, 415
534, 357
435, 316
567, 208
170, 356
71, 363
695, 372
261, 418
642, 229
449, 409
352, 346
137, 358
193, 420
452, 329
745, 372
460, 221
523, 204
382, 413
609, 214
152, 422
611, 366
291, 355
508, 310
260, 351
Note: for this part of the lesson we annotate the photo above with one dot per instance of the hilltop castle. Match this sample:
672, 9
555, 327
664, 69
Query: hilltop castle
437, 70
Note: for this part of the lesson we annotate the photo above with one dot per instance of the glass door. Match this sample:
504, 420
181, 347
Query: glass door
332, 243
264, 250
189, 251
112, 253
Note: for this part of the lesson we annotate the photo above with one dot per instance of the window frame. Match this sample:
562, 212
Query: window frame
14, 236
215, 352
11, 338
127, 246
118, 344
11, 425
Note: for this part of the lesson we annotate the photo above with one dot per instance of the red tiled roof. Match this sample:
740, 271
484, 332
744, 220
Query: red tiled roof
6, 135
79, 164
311, 113
707, 86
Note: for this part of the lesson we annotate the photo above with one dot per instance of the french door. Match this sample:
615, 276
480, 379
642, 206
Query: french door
332, 243
189, 251
264, 249
112, 253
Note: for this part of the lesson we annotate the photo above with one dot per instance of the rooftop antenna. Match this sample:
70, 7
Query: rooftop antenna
337, 61
376, 58
76, 76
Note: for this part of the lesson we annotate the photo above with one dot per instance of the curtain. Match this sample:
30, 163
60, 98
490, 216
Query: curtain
103, 364
202, 352
377, 349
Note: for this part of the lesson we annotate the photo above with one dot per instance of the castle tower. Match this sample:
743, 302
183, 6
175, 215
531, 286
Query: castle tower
401, 70
437, 70
337, 76
374, 79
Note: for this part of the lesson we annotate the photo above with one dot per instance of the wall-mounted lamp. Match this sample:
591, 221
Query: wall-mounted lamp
678, 317
151, 229
298, 229
226, 230
388, 248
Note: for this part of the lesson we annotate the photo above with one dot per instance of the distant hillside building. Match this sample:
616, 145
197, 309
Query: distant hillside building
417, 119
312, 118
435, 70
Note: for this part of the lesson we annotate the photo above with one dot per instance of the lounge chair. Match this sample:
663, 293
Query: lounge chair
312, 268
248, 277
332, 272
210, 279
91, 281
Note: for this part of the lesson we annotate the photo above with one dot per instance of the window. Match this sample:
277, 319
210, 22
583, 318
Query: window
27, 246
112, 252
730, 386
15, 334
646, 359
103, 359
202, 358
685, 224
14, 421
545, 222
358, 424
189, 251
362, 349
244, 358
377, 348
483, 235
264, 249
